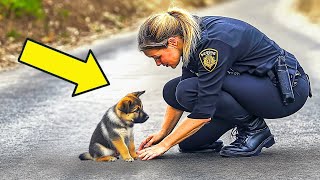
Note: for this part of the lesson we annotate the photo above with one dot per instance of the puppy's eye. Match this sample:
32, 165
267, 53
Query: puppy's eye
136, 110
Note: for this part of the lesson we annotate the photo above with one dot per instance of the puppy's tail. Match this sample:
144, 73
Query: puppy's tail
85, 156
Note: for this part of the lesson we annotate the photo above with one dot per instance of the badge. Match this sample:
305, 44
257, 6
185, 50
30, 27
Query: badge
209, 59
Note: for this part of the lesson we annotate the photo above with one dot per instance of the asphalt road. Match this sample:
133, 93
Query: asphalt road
43, 129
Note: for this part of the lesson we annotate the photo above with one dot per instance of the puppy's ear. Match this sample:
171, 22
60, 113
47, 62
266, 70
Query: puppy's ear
124, 106
138, 93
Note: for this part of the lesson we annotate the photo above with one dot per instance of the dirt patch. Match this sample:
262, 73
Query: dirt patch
68, 23
310, 8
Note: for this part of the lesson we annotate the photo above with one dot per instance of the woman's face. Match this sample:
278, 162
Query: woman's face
169, 56
165, 56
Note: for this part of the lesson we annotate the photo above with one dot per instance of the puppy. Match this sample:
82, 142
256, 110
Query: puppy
113, 134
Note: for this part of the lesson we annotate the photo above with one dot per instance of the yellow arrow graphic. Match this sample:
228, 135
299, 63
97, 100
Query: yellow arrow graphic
87, 75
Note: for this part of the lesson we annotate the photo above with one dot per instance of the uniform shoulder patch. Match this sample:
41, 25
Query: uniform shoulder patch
209, 59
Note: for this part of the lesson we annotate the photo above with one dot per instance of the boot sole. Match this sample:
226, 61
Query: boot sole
266, 143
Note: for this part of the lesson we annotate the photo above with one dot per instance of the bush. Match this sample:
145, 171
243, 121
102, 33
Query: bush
16, 8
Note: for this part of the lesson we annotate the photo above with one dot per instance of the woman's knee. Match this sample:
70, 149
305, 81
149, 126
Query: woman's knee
186, 93
180, 94
169, 93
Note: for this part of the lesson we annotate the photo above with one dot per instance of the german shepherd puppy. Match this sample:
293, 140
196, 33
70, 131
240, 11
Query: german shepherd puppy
113, 134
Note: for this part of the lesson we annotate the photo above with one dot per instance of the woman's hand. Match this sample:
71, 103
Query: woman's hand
152, 152
152, 139
184, 130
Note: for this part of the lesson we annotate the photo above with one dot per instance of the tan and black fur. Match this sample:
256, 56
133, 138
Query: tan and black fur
113, 135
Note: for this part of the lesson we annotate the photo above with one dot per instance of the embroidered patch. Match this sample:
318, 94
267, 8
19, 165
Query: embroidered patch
209, 59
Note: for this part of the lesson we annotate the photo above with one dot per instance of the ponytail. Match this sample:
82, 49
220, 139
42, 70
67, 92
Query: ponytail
156, 30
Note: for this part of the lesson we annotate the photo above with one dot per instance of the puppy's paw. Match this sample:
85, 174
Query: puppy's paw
106, 159
113, 159
134, 156
129, 159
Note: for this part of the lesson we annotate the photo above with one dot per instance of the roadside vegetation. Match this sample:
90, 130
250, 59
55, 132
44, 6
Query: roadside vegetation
310, 8
68, 23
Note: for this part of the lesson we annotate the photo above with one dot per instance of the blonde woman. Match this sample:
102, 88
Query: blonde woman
233, 75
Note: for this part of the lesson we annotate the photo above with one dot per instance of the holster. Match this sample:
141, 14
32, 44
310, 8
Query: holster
285, 74
285, 82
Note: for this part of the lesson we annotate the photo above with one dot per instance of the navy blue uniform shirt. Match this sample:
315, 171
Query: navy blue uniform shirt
225, 43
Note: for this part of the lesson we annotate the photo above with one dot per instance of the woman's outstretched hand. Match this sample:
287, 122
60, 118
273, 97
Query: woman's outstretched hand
152, 152
151, 140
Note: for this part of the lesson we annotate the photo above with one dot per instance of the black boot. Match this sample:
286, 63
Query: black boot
253, 135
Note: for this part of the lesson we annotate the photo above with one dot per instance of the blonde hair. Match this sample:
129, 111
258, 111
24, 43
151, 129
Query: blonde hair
156, 30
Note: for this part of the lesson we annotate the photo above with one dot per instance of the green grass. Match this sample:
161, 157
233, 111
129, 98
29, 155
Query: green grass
14, 34
18, 8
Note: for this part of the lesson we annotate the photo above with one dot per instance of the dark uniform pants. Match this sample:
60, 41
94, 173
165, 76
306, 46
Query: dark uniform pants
242, 97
